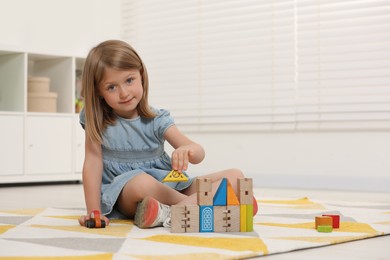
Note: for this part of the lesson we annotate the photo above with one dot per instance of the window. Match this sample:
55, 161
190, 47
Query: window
266, 65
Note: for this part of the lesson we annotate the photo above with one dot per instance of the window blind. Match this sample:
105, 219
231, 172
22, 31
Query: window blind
343, 64
265, 65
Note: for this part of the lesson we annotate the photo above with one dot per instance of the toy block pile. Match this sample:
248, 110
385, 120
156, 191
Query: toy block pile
223, 212
326, 223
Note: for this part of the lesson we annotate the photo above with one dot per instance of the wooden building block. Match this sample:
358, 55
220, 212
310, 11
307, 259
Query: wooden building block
175, 176
203, 184
219, 218
249, 218
206, 219
243, 218
204, 192
325, 229
245, 191
220, 197
323, 221
184, 218
231, 195
226, 218
335, 220
234, 221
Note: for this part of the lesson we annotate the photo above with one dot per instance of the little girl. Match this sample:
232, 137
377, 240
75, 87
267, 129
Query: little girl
125, 161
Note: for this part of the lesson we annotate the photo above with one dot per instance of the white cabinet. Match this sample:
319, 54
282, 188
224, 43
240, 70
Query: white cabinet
79, 152
11, 140
39, 146
48, 145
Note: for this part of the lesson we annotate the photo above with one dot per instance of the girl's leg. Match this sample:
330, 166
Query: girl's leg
142, 186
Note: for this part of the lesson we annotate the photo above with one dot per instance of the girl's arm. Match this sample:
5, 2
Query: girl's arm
186, 150
92, 177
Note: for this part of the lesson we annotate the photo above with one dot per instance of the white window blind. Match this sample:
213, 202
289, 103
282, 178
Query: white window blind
253, 65
343, 58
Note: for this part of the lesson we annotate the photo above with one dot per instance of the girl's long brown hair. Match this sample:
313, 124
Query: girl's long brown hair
113, 54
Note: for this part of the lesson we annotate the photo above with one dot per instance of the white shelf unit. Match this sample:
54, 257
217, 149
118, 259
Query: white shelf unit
39, 146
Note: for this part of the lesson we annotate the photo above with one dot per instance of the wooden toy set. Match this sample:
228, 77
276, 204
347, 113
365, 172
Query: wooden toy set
326, 223
223, 212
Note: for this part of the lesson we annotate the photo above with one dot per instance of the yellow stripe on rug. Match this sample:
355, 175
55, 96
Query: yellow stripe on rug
28, 212
194, 256
328, 239
302, 203
5, 228
354, 227
234, 244
116, 231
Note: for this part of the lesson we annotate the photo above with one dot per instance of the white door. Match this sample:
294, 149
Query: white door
11, 145
49, 145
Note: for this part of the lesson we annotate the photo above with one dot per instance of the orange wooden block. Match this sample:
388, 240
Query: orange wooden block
323, 221
231, 196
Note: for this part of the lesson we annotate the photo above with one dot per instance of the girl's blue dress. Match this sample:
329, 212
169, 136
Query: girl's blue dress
131, 147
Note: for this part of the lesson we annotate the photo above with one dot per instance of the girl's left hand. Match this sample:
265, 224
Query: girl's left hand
181, 157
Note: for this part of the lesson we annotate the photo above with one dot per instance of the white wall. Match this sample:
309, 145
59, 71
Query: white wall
349, 160
352, 160
68, 27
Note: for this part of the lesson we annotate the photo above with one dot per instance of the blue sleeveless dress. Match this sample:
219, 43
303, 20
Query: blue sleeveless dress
131, 147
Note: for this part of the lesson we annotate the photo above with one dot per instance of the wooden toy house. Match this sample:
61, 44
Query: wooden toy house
222, 212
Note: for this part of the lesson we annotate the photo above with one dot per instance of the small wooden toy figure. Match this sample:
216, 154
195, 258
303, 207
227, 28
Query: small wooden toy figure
95, 221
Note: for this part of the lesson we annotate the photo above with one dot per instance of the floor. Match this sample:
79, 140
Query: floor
71, 195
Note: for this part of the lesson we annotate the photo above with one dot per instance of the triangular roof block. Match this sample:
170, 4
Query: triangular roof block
232, 198
175, 176
220, 197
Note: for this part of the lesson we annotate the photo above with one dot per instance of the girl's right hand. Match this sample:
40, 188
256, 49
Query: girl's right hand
84, 218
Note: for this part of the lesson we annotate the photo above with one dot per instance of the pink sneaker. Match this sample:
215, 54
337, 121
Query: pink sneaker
151, 213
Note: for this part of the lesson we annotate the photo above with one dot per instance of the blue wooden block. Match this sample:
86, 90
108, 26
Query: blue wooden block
206, 219
220, 197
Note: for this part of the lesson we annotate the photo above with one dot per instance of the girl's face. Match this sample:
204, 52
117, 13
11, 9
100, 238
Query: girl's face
122, 90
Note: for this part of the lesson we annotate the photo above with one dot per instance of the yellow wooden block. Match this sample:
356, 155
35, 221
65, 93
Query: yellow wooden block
243, 218
175, 176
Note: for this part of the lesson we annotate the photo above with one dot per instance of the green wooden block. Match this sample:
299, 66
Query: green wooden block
249, 218
325, 229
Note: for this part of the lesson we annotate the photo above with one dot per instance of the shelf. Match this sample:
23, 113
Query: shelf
60, 72
12, 81
30, 136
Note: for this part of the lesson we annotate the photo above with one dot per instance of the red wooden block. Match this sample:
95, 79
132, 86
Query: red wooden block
336, 220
